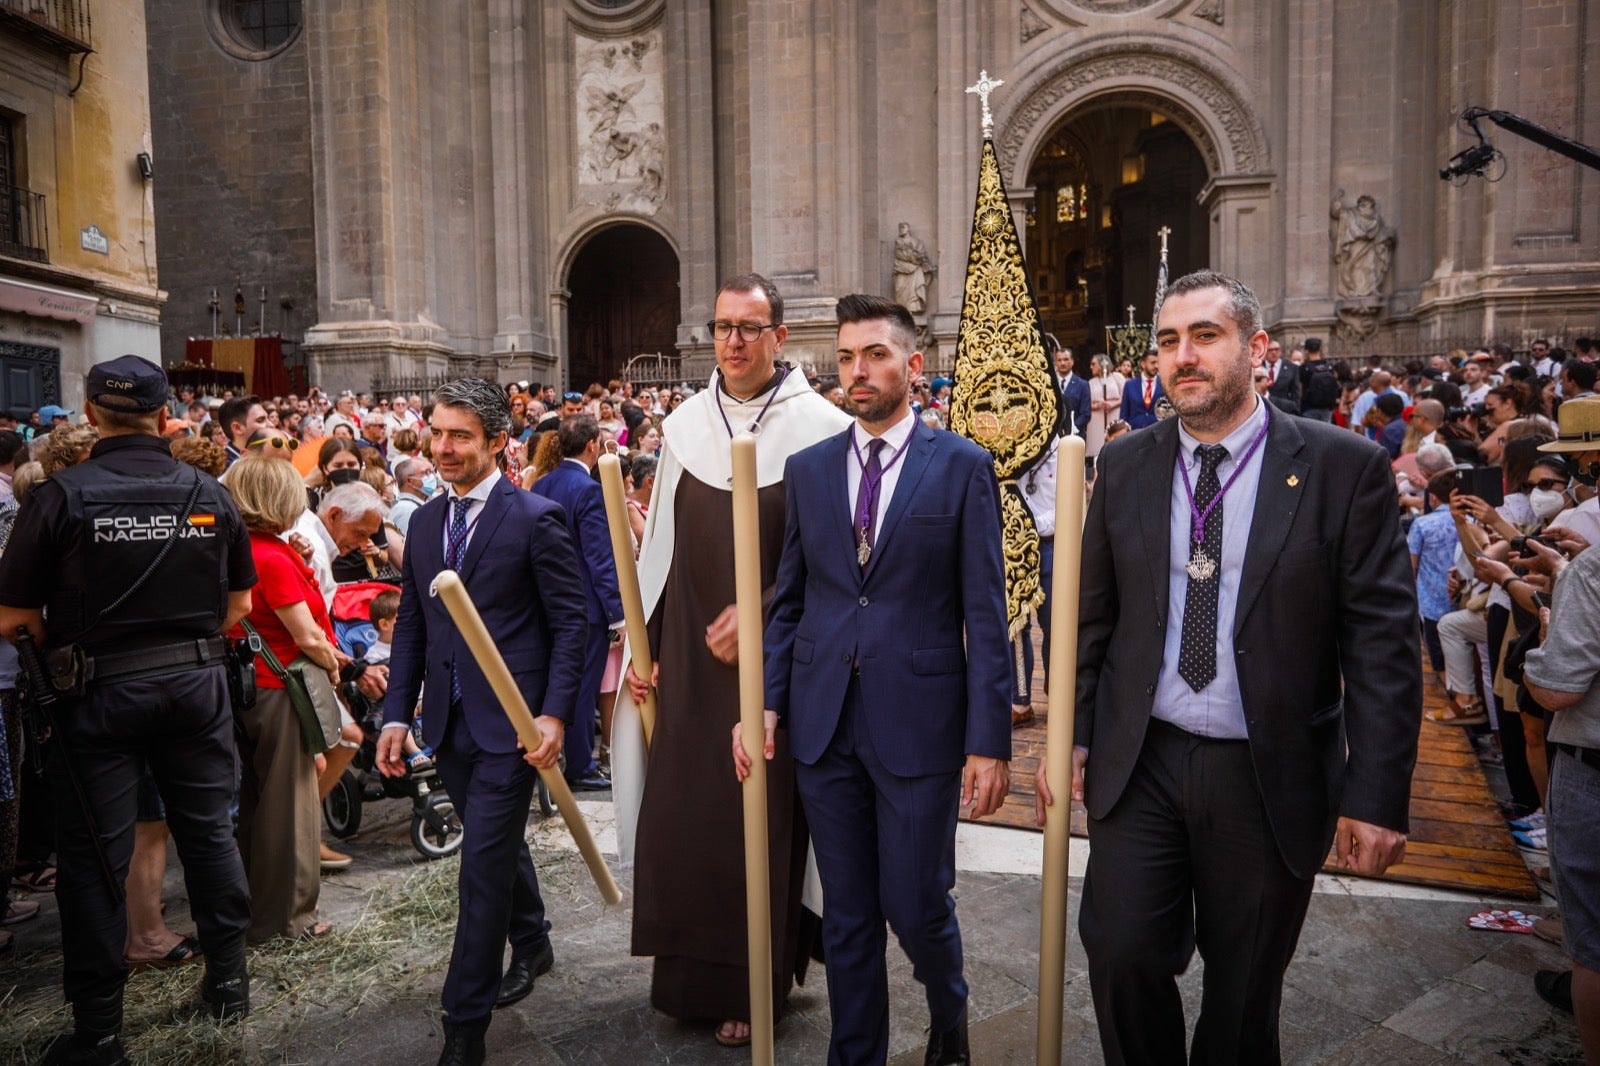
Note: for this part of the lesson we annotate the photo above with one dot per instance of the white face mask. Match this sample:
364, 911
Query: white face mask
1546, 503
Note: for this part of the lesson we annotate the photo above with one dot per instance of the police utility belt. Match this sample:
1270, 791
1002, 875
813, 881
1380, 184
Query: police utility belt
73, 670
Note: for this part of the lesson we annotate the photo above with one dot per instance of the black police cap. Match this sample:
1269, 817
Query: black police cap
140, 383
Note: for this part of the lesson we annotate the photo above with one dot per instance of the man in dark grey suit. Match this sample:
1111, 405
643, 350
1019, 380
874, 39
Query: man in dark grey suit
1219, 770
1283, 377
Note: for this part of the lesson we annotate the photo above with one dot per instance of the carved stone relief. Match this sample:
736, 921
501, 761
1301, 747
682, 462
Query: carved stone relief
1155, 66
621, 122
1210, 10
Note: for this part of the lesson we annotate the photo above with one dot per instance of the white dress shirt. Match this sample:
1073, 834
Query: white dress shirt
479, 494
895, 439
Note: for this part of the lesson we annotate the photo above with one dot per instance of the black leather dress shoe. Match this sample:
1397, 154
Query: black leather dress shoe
75, 1051
521, 974
592, 782
949, 1046
462, 1050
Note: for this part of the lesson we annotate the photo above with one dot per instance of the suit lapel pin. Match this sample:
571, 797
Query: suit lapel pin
1294, 479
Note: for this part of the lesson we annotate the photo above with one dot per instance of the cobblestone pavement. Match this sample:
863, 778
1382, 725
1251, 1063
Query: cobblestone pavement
1383, 975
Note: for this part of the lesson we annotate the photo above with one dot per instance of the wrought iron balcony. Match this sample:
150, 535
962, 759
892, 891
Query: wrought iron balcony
63, 25
23, 229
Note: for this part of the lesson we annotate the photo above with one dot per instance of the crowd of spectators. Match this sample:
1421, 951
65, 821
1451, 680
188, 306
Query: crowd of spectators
1495, 461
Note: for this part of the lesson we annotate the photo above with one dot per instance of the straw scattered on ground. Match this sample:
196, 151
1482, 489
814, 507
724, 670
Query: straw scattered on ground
403, 932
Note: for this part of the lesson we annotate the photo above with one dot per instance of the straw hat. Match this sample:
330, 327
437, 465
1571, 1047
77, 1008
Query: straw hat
1580, 427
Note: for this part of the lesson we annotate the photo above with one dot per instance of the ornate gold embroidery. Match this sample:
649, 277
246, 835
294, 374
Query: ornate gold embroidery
1004, 395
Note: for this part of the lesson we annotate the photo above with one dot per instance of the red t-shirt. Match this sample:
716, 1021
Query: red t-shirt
285, 580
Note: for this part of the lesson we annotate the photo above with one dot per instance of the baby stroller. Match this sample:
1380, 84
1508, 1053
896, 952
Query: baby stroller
435, 829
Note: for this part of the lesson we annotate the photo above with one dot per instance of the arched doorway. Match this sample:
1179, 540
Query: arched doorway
624, 302
1106, 181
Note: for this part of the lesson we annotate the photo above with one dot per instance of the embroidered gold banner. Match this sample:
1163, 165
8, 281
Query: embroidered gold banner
1004, 396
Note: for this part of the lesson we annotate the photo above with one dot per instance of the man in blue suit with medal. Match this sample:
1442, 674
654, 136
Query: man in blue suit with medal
895, 690
516, 559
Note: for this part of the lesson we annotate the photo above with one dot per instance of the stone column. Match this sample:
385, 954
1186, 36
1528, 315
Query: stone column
369, 142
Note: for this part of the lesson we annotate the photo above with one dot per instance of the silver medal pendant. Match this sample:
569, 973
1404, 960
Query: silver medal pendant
1201, 566
863, 551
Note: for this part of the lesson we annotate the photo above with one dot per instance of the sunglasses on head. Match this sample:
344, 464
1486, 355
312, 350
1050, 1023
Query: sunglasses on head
275, 442
573, 397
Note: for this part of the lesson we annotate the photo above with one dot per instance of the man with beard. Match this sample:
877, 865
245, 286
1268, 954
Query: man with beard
1217, 769
689, 890
895, 691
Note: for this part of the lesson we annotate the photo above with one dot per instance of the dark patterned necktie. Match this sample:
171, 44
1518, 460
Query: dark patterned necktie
867, 503
457, 542
1197, 651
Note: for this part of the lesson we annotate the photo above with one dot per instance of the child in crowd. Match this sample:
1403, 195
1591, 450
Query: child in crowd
382, 612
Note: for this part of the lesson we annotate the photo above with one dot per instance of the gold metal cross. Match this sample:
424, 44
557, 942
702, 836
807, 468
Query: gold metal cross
1164, 232
982, 89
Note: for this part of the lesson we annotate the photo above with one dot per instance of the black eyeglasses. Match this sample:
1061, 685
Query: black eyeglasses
749, 332
1549, 484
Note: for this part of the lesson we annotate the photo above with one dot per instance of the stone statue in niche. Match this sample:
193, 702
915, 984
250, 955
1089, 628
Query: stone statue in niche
913, 270
1363, 247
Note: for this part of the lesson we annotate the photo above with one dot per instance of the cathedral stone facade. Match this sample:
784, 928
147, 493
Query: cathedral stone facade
551, 189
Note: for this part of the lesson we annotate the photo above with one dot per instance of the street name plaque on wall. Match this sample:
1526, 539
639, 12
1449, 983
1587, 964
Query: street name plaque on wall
93, 240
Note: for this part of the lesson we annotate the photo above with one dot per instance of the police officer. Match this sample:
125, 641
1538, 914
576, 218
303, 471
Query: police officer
94, 554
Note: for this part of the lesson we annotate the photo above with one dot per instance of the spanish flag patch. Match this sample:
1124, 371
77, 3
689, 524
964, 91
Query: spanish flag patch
202, 520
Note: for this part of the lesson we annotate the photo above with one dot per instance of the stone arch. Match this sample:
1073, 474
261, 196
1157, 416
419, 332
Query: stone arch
1200, 96
620, 294
575, 241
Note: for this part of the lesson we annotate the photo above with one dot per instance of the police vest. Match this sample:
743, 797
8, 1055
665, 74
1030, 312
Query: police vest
118, 524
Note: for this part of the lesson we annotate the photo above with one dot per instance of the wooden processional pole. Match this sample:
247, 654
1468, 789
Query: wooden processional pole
1063, 677
628, 586
752, 705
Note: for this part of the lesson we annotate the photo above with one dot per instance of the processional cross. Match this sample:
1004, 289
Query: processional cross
982, 89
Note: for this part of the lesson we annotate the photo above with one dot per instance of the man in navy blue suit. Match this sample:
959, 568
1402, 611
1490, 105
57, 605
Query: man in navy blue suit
516, 559
571, 485
1074, 392
1141, 394
895, 690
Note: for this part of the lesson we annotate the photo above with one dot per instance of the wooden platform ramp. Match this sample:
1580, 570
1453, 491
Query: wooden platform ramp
1458, 838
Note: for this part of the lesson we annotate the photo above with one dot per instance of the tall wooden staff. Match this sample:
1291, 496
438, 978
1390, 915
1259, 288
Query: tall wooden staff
752, 704
1058, 747
628, 586
448, 587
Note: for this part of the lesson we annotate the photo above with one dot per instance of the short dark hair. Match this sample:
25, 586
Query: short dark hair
482, 398
575, 434
1442, 484
1390, 404
1582, 374
859, 307
643, 466
1242, 306
384, 606
235, 410
1312, 344
753, 282
11, 443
